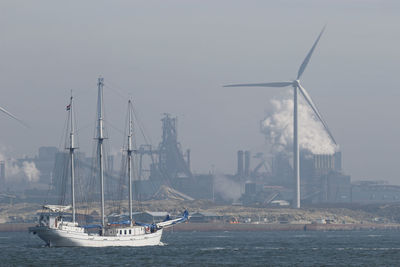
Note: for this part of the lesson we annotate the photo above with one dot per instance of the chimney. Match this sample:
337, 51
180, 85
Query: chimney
338, 161
240, 163
2, 173
188, 158
247, 163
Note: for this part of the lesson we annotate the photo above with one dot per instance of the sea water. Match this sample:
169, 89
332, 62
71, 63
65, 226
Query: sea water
291, 248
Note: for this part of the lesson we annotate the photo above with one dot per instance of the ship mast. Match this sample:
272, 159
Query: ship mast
71, 155
100, 139
129, 152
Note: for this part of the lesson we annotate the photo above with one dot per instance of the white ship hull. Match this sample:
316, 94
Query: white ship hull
65, 238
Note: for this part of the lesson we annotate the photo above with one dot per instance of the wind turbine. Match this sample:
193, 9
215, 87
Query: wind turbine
12, 116
296, 87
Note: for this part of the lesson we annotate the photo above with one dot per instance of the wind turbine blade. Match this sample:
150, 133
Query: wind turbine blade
308, 57
316, 111
275, 84
12, 116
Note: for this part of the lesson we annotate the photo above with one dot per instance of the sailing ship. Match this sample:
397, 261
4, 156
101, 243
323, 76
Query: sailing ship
56, 231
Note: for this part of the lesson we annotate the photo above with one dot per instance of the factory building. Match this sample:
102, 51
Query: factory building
368, 192
43, 162
322, 179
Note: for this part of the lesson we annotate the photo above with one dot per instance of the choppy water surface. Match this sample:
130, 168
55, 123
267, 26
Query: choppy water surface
342, 248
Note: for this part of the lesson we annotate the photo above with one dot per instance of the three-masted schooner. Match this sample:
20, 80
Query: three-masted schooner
55, 231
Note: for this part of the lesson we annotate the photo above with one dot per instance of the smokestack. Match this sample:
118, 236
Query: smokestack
2, 173
338, 161
247, 163
188, 158
240, 163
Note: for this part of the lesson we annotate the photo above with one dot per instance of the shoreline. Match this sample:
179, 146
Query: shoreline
216, 227
204, 227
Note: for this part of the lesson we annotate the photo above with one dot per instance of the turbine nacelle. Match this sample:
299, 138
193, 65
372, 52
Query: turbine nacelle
296, 83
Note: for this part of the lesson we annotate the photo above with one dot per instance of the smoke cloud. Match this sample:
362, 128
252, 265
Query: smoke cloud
30, 171
228, 189
16, 173
278, 128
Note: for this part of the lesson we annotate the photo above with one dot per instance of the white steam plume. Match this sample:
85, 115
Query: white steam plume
228, 189
30, 171
278, 128
16, 173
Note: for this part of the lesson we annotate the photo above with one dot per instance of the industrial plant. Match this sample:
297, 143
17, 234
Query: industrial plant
302, 165
263, 179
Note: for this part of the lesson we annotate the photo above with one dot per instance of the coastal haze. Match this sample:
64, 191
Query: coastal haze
174, 56
218, 173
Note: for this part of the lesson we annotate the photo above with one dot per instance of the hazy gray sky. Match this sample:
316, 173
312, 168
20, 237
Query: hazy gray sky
173, 56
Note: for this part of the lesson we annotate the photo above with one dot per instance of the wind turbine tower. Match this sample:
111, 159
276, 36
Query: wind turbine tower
296, 88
